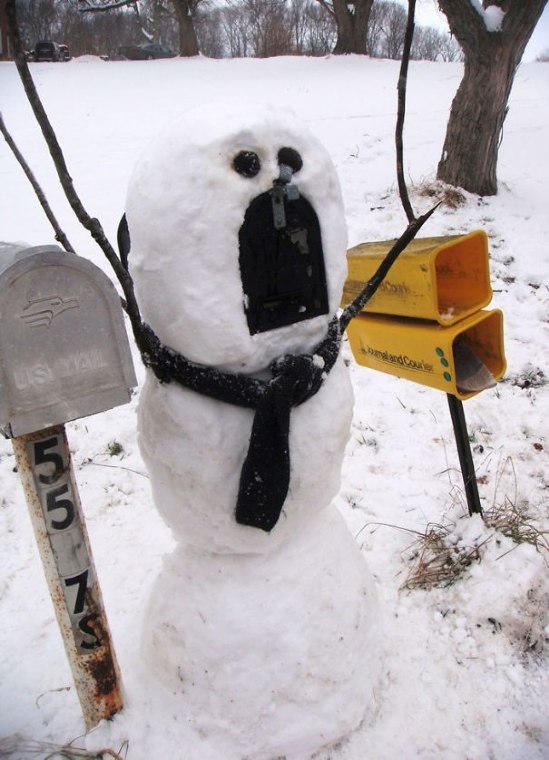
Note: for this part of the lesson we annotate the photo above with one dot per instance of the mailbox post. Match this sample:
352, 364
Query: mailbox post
65, 355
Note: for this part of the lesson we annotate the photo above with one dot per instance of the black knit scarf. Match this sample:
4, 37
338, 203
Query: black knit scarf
265, 474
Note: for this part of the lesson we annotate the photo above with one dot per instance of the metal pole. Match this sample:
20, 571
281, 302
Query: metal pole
45, 469
464, 452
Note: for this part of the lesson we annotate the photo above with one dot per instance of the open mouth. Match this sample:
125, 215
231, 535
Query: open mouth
281, 258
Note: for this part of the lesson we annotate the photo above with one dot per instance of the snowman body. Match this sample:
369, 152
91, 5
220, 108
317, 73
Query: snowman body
268, 639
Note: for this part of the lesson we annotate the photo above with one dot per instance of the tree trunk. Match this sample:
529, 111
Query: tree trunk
352, 26
188, 41
470, 153
473, 135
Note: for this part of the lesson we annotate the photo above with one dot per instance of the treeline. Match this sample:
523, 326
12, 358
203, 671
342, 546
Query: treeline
229, 29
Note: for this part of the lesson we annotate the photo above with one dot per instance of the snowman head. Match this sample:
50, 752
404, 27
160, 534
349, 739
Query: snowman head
238, 237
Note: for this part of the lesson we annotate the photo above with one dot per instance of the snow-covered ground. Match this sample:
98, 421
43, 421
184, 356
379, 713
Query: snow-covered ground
466, 668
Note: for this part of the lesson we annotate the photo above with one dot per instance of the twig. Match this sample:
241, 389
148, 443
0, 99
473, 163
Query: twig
389, 525
9, 747
91, 224
59, 234
114, 467
414, 224
377, 278
85, 6
50, 691
402, 80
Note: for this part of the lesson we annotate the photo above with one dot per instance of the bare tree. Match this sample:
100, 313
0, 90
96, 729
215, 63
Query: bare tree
493, 38
96, 6
210, 33
375, 25
393, 31
386, 30
182, 11
425, 45
264, 28
235, 29
60, 22
351, 20
40, 20
433, 45
322, 33
185, 12
268, 26
297, 15
449, 49
259, 28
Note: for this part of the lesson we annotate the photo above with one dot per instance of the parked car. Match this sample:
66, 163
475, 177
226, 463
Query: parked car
64, 52
146, 52
46, 50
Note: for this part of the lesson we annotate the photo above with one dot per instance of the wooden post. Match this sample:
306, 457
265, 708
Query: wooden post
45, 469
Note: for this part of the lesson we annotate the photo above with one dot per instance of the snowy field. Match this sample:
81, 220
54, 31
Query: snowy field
465, 673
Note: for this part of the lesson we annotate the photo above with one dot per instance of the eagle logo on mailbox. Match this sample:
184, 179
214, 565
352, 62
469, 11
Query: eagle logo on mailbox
40, 312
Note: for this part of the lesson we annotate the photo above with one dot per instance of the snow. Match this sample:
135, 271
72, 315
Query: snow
492, 15
461, 676
493, 18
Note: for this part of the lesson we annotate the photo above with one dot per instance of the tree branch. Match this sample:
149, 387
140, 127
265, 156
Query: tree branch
402, 81
414, 224
327, 6
520, 19
466, 24
91, 224
354, 308
59, 234
88, 6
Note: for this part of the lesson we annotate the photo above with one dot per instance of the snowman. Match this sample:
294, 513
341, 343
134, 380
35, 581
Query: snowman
263, 622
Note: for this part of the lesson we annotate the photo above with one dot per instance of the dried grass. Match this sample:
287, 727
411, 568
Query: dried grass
511, 517
514, 521
436, 562
449, 196
17, 747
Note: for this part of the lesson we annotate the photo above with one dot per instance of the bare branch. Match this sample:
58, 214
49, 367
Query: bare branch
402, 80
327, 6
414, 224
96, 6
91, 224
354, 308
59, 234
465, 22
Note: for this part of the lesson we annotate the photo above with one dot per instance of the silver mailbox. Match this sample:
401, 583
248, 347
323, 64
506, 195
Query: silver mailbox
64, 351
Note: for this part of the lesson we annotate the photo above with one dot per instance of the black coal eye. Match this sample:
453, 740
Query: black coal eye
291, 158
247, 163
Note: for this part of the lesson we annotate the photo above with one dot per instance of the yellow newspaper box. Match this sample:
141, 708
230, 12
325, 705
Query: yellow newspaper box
462, 359
442, 279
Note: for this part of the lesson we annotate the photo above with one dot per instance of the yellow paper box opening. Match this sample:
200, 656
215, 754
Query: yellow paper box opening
462, 359
443, 279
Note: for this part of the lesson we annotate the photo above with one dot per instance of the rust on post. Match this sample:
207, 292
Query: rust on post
45, 469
